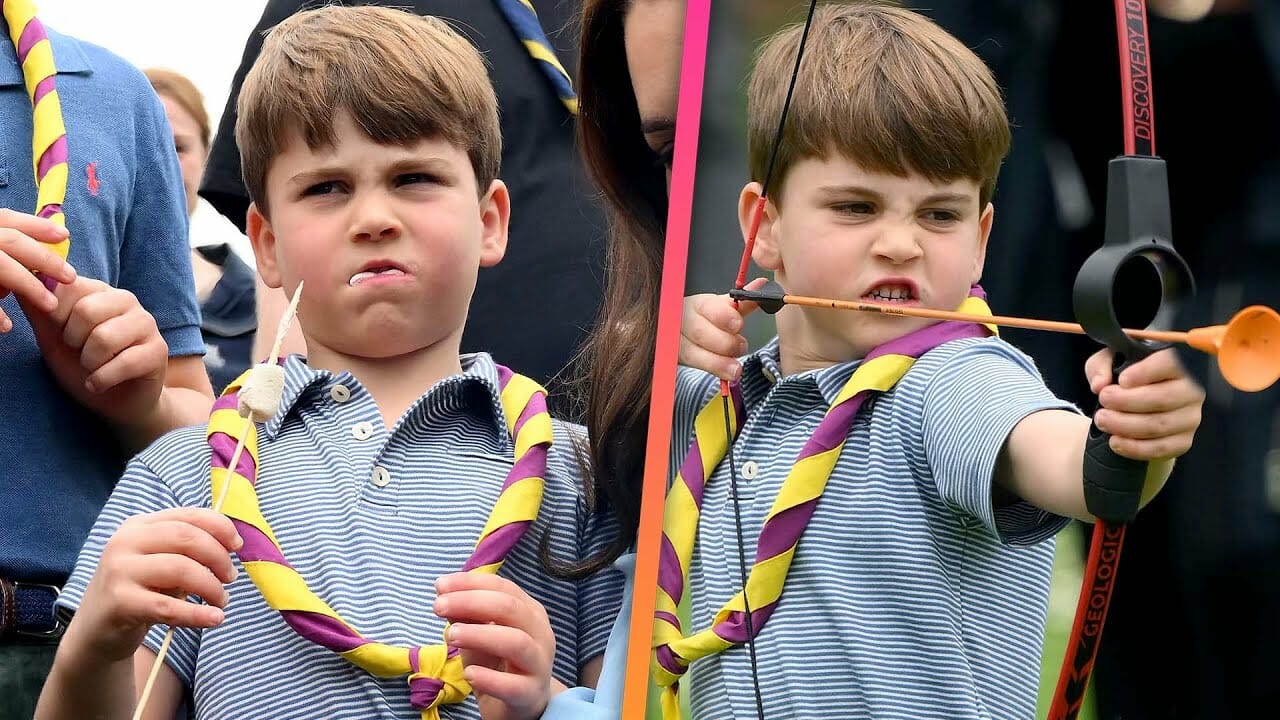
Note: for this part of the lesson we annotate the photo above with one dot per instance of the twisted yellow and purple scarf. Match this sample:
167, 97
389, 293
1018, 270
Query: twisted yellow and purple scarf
790, 513
49, 135
435, 671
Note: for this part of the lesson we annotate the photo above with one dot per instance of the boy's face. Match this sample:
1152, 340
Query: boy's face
848, 233
387, 238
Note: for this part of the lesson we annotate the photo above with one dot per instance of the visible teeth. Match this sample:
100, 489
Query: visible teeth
896, 292
366, 274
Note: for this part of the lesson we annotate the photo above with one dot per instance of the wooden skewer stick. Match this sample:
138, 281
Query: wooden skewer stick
281, 330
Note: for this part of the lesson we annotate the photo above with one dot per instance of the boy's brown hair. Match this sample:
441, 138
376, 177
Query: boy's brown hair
884, 87
402, 77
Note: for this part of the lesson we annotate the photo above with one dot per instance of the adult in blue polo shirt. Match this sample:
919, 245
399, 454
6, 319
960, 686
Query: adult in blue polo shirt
60, 453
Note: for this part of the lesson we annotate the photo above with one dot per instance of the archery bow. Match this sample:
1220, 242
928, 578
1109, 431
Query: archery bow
1137, 243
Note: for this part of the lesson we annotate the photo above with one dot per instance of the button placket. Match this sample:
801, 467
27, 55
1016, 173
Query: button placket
339, 393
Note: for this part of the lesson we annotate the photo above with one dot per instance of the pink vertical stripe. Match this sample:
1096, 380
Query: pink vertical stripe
662, 397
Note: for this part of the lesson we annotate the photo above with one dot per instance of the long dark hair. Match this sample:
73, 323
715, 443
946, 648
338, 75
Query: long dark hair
617, 360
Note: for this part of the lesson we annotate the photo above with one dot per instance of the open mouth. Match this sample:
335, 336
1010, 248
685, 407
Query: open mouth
891, 293
375, 272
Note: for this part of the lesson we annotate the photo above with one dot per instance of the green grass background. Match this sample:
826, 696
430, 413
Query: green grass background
1068, 568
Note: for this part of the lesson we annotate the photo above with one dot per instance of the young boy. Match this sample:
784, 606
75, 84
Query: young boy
919, 584
370, 147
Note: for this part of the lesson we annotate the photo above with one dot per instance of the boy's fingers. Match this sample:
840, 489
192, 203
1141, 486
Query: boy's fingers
1159, 367
477, 581
519, 691
216, 524
746, 307
1149, 426
501, 642
1160, 397
1158, 449
189, 541
714, 339
157, 608
489, 606
172, 574
1097, 370
725, 368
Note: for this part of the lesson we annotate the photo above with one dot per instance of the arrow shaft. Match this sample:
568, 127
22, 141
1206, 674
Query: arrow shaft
1004, 320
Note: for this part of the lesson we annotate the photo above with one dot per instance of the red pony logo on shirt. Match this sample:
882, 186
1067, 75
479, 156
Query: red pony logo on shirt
92, 171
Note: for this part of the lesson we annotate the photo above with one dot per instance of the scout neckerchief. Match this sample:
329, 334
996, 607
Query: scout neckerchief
524, 21
49, 134
435, 671
783, 526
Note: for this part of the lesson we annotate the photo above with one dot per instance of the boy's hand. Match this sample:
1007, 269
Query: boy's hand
711, 332
1152, 412
103, 348
147, 570
24, 249
506, 641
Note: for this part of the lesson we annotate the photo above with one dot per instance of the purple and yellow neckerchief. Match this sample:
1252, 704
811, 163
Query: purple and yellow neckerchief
435, 671
49, 133
783, 526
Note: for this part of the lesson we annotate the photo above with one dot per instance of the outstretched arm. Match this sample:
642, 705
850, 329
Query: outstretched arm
1152, 414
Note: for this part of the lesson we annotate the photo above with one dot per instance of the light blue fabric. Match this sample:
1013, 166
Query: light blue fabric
911, 593
605, 701
370, 516
127, 215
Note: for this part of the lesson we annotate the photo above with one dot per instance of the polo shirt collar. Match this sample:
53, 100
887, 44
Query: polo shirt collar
68, 56
300, 381
762, 370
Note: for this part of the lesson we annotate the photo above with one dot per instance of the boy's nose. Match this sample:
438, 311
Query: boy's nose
373, 219
897, 245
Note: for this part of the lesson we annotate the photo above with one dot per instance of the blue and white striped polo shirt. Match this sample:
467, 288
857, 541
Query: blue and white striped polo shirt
910, 595
370, 517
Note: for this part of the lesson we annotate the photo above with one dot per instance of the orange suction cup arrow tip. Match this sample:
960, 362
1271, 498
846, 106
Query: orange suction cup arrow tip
1248, 347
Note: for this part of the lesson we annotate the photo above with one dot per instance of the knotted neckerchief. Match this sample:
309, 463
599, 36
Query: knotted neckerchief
798, 497
435, 671
524, 21
49, 134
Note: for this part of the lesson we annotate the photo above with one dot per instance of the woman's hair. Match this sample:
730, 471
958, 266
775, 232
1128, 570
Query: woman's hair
181, 90
618, 357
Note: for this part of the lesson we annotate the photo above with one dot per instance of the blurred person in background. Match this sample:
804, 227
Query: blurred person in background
224, 279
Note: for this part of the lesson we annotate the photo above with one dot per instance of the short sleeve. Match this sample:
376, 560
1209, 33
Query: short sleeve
972, 402
140, 491
155, 256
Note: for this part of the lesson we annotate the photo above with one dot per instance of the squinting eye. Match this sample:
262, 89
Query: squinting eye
941, 216
854, 208
323, 188
416, 178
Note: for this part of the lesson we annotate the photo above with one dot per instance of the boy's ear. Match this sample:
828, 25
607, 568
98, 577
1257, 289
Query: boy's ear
495, 216
985, 222
263, 239
765, 252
